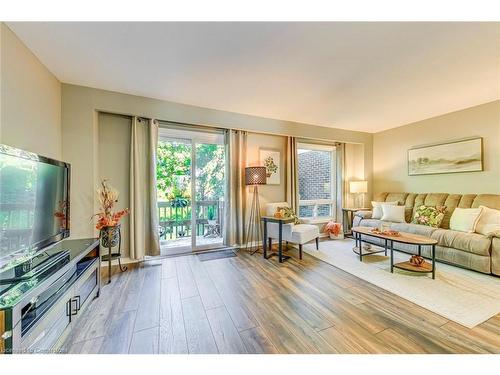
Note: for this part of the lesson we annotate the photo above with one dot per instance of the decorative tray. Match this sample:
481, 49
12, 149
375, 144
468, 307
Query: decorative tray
393, 233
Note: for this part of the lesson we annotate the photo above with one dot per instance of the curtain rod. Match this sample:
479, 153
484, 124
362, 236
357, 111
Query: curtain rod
202, 126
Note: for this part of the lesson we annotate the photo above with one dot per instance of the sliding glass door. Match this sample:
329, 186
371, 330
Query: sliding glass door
191, 189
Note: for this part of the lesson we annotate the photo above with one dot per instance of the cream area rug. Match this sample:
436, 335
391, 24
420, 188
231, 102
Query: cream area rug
465, 297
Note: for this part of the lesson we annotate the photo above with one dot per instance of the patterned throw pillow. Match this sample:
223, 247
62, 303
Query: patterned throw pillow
428, 215
287, 212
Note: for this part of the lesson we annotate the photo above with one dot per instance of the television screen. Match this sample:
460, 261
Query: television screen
34, 203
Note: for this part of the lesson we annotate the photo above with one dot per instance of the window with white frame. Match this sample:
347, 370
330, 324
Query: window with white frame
317, 177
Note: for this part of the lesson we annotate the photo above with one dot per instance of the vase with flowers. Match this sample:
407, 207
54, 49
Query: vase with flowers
108, 220
334, 230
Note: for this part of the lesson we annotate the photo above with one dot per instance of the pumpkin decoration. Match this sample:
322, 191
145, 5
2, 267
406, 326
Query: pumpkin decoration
417, 260
278, 214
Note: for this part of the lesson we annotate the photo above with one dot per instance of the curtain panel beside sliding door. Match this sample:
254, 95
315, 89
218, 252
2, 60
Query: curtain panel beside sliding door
144, 238
236, 144
342, 183
292, 178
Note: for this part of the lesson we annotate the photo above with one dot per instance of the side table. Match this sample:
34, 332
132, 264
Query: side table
280, 222
348, 218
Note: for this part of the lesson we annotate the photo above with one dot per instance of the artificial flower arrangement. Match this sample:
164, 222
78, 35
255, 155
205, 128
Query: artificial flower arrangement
334, 230
108, 197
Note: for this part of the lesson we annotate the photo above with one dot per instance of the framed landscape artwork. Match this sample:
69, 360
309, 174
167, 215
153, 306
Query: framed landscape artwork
271, 160
452, 157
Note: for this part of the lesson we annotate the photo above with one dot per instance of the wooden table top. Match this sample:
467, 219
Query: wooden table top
273, 219
408, 238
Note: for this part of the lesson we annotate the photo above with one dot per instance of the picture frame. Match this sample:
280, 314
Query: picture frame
271, 159
464, 155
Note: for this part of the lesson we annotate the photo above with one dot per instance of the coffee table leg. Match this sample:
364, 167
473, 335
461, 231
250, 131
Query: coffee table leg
392, 257
419, 251
385, 247
433, 261
360, 248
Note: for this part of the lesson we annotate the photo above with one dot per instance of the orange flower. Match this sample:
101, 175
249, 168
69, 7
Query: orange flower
108, 197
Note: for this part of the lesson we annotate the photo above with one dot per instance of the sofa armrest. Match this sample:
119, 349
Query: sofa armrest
363, 214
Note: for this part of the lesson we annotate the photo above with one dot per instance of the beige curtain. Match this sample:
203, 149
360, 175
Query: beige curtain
144, 238
342, 183
292, 178
236, 145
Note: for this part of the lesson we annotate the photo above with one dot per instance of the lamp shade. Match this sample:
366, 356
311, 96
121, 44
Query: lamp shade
358, 186
255, 176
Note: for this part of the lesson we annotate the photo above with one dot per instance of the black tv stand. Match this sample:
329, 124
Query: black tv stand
39, 305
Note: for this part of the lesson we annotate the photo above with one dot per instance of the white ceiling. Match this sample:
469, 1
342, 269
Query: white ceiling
360, 76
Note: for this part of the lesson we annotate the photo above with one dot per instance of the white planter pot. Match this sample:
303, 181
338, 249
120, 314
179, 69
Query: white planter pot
339, 237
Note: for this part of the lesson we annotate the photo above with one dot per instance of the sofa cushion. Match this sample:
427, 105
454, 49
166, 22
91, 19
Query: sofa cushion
451, 203
395, 214
465, 219
302, 233
430, 216
467, 200
364, 214
377, 208
409, 204
495, 256
423, 230
435, 199
468, 242
398, 197
489, 221
488, 200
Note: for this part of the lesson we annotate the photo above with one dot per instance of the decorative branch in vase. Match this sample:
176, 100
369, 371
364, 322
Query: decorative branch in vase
108, 221
334, 230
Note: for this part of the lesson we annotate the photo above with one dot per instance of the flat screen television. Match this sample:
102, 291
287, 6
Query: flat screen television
34, 204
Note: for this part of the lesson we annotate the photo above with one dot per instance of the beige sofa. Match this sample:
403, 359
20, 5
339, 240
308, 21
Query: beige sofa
470, 250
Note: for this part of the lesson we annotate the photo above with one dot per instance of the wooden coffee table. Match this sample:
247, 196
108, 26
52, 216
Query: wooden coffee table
406, 238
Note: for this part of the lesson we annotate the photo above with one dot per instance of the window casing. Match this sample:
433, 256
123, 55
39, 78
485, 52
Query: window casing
317, 173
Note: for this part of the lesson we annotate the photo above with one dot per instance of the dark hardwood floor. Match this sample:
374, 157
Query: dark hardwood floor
247, 304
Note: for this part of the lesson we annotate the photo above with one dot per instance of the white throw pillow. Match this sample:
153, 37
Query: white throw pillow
396, 214
465, 219
489, 221
377, 209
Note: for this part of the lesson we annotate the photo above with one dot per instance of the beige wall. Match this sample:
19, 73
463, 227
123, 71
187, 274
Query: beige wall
80, 106
113, 158
390, 152
354, 170
30, 100
267, 193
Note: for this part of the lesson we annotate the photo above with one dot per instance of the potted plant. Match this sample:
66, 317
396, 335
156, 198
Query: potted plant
108, 220
334, 230
211, 216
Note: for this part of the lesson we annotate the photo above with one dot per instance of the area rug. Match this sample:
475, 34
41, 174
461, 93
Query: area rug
465, 297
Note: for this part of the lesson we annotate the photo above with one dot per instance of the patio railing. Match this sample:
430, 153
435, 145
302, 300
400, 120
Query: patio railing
175, 219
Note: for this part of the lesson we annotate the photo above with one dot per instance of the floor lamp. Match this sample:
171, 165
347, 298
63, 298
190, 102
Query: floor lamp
254, 176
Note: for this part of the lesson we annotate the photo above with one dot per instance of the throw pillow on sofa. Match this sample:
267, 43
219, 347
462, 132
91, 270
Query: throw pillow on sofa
465, 219
489, 221
429, 215
377, 208
396, 214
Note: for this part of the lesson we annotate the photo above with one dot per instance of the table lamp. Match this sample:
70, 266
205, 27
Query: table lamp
359, 188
